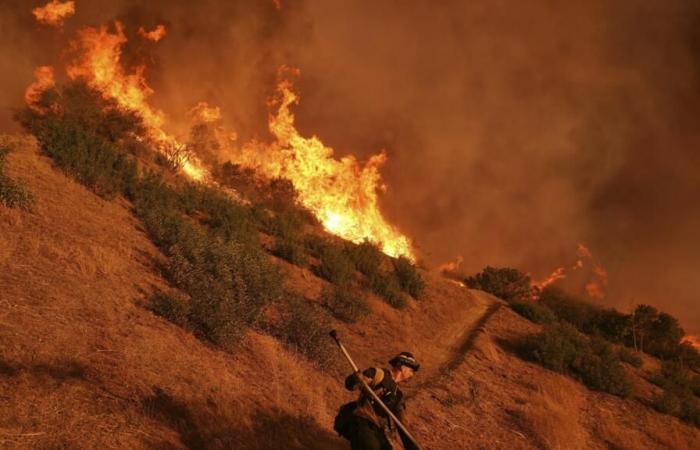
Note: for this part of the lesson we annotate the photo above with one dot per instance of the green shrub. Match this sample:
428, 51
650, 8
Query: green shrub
507, 284
557, 347
229, 284
679, 394
83, 134
533, 311
335, 265
12, 194
304, 325
346, 303
387, 286
600, 369
288, 224
366, 256
234, 222
290, 250
628, 356
315, 244
408, 277
562, 348
175, 308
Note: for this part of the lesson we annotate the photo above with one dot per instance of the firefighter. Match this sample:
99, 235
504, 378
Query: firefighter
364, 423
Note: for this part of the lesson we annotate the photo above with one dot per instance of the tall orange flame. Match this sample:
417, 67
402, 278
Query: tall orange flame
154, 35
43, 80
54, 12
98, 62
341, 193
558, 274
203, 113
596, 286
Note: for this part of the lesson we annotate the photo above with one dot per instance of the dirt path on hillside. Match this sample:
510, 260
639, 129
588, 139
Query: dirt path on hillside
456, 353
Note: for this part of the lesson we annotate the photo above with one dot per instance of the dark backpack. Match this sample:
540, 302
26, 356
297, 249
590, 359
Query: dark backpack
344, 420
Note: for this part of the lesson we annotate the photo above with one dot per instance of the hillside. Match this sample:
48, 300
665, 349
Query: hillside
85, 364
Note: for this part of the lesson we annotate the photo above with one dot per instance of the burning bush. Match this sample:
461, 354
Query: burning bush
214, 257
346, 303
408, 277
505, 283
562, 348
82, 132
12, 194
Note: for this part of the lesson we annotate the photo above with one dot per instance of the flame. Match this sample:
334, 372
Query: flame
341, 193
54, 12
203, 113
154, 35
451, 266
692, 340
583, 252
558, 274
98, 62
596, 287
43, 80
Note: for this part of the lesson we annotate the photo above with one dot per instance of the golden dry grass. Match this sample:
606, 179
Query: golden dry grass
84, 364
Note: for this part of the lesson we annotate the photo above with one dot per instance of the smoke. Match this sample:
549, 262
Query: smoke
514, 130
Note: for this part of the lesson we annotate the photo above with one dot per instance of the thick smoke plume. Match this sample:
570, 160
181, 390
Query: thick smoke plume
514, 130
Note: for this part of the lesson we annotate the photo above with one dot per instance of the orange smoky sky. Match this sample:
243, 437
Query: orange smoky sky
514, 130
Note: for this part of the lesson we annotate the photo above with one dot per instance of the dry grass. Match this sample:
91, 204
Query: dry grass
83, 364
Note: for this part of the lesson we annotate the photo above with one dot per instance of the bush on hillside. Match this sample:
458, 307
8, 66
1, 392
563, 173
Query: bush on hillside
630, 357
232, 221
315, 244
387, 286
533, 311
290, 250
679, 396
408, 277
12, 194
81, 132
366, 256
569, 308
335, 265
562, 348
228, 285
304, 325
346, 303
173, 307
505, 283
600, 369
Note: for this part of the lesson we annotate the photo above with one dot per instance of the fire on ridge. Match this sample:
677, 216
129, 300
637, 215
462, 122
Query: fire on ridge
341, 193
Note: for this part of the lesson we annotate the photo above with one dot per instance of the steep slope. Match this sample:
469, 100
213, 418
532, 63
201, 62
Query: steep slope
85, 364
493, 399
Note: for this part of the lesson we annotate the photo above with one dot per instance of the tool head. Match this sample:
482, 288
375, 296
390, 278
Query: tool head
334, 334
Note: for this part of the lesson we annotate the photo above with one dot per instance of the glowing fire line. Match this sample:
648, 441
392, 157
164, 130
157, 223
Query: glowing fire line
341, 193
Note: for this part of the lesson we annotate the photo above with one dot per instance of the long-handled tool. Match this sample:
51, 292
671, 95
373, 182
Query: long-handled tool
370, 391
